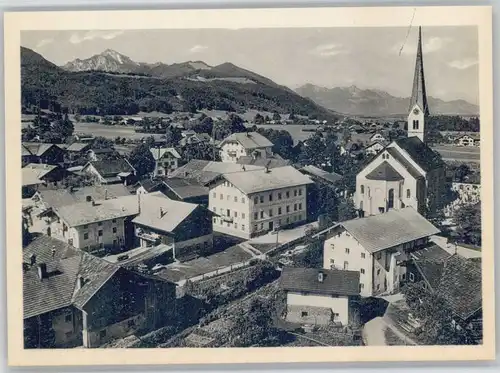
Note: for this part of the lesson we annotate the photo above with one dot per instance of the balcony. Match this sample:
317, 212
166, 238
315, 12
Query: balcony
227, 219
151, 237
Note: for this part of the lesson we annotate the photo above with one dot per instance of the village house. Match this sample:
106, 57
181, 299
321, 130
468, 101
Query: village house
193, 138
37, 176
86, 301
471, 139
42, 249
249, 203
374, 147
407, 172
77, 150
166, 160
186, 228
35, 152
456, 280
376, 247
321, 296
186, 190
102, 154
378, 137
113, 171
244, 144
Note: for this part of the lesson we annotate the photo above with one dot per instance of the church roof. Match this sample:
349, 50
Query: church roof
418, 93
396, 154
384, 171
420, 152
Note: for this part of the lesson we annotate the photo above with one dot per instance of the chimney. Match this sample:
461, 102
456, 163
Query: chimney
53, 251
42, 271
105, 194
162, 213
81, 282
33, 259
320, 276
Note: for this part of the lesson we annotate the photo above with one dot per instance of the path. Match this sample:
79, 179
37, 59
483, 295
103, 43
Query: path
374, 333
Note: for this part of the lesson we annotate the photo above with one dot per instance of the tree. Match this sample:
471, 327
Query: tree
255, 327
63, 128
467, 219
346, 209
276, 116
102, 142
233, 124
203, 125
202, 151
258, 119
142, 159
434, 315
461, 173
172, 136
313, 151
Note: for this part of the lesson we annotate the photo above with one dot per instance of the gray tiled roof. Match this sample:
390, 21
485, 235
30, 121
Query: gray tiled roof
249, 140
396, 154
389, 229
335, 282
186, 188
420, 152
77, 147
331, 177
112, 167
42, 246
254, 181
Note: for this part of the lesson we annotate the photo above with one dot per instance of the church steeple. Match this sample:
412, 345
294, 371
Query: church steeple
419, 109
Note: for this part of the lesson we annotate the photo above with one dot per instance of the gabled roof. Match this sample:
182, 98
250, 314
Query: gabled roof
38, 148
429, 262
424, 156
103, 150
162, 213
91, 212
330, 177
249, 140
159, 153
254, 181
34, 173
271, 162
185, 188
111, 168
384, 171
47, 248
396, 154
335, 282
62, 197
78, 147
395, 227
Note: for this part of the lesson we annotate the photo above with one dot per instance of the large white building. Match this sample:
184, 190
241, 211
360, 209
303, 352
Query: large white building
253, 202
243, 144
376, 246
407, 172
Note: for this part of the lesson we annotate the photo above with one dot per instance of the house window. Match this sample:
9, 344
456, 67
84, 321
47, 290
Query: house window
243, 200
228, 197
287, 194
362, 270
255, 227
235, 225
270, 197
287, 220
262, 214
99, 224
100, 233
412, 277
68, 317
361, 286
235, 199
362, 189
295, 193
378, 271
215, 220
228, 212
415, 124
221, 196
261, 226
332, 261
300, 192
114, 229
236, 214
303, 314
408, 193
86, 226
363, 255
279, 195
300, 216
85, 236
242, 227
346, 266
102, 334
300, 206
214, 195
255, 215
288, 209
261, 198
243, 215
378, 287
256, 200
347, 251
113, 221
294, 207
70, 241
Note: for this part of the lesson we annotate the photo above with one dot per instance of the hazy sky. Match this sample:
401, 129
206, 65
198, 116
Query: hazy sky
329, 57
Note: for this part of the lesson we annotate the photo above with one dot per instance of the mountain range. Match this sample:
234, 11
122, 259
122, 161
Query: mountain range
112, 83
371, 102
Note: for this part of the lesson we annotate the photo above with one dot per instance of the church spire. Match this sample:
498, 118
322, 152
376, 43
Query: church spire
418, 94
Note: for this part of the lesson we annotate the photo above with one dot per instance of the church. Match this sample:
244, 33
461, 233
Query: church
407, 172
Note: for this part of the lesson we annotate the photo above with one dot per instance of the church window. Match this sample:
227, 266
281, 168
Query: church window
408, 193
415, 124
362, 189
